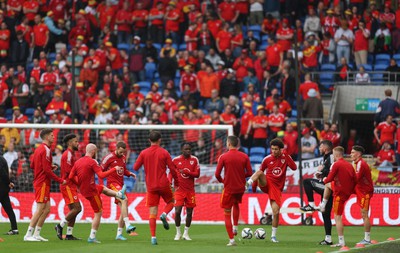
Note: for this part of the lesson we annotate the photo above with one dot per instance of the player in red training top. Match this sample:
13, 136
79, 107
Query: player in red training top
344, 177
115, 182
155, 160
69, 191
236, 167
272, 182
84, 169
188, 169
43, 167
364, 189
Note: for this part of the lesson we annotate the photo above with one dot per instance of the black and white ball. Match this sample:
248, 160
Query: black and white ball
260, 234
247, 233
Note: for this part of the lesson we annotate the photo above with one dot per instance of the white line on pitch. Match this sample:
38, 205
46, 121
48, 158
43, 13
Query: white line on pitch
355, 248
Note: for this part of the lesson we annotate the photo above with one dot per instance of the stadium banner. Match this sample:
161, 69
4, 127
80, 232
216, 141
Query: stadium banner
385, 209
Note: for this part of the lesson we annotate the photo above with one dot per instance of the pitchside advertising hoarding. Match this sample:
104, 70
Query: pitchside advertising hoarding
384, 211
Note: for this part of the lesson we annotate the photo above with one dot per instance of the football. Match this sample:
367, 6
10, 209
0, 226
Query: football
260, 233
247, 233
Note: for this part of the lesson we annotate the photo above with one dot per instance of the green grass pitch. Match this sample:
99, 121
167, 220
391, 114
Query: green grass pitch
206, 238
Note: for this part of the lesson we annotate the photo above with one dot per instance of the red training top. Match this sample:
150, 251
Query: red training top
343, 174
41, 164
191, 170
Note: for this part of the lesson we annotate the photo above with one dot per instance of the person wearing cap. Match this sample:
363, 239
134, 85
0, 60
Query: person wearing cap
330, 23
40, 36
251, 94
156, 18
172, 17
221, 72
284, 35
223, 39
242, 64
364, 189
155, 94
123, 19
18, 117
344, 38
114, 56
139, 19
57, 104
229, 86
136, 96
308, 144
168, 50
312, 107
190, 79
137, 60
260, 125
246, 134
312, 22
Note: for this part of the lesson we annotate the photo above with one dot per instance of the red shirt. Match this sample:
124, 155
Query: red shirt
21, 119
229, 118
290, 140
241, 69
224, 40
54, 107
191, 34
285, 44
40, 33
260, 133
168, 103
41, 164
189, 79
227, 10
126, 17
191, 135
156, 96
117, 62
386, 155
172, 25
246, 120
343, 174
3, 88
142, 14
330, 24
30, 5
27, 30
191, 169
157, 21
135, 97
364, 179
387, 132
236, 167
155, 160
284, 106
214, 26
47, 78
84, 169
5, 44
276, 167
276, 118
310, 56
305, 87
106, 15
68, 160
360, 42
270, 26
273, 55
117, 178
58, 8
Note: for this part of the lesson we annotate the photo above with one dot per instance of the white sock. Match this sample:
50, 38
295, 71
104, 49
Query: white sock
92, 233
63, 222
367, 236
323, 203
178, 230
250, 181
29, 232
328, 238
273, 234
186, 230
69, 230
341, 240
119, 231
153, 237
37, 231
311, 203
231, 240
127, 223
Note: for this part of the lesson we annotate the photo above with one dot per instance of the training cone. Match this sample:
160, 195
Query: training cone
344, 248
374, 241
390, 239
1, 240
360, 245
319, 252
133, 234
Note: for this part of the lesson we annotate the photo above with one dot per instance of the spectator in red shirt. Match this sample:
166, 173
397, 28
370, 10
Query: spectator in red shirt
306, 86
242, 64
269, 25
114, 56
172, 17
260, 125
156, 17
123, 21
275, 121
274, 55
4, 42
285, 35
290, 141
330, 23
386, 157
30, 8
228, 12
139, 19
223, 39
386, 130
361, 40
40, 37
310, 56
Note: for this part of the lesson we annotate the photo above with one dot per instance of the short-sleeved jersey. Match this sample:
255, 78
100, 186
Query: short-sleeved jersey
364, 180
68, 160
387, 132
342, 172
84, 169
41, 164
275, 168
191, 169
236, 167
110, 161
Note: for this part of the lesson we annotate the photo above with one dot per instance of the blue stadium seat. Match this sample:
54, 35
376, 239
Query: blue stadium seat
326, 77
51, 57
9, 113
397, 58
158, 46
255, 28
124, 46
150, 69
328, 67
377, 78
130, 183
29, 112
256, 159
246, 150
262, 47
380, 67
367, 67
182, 47
257, 151
370, 59
294, 113
144, 85
382, 59
264, 38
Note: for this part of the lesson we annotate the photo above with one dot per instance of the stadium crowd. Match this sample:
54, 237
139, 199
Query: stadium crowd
184, 62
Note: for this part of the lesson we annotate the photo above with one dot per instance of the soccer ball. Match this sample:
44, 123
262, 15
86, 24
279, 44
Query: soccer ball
260, 233
247, 233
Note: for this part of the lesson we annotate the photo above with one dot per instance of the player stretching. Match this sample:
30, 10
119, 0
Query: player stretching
342, 173
69, 191
364, 189
236, 167
311, 185
42, 165
187, 169
273, 181
84, 169
155, 160
115, 181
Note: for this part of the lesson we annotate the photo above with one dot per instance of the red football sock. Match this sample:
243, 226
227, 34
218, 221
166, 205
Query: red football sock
168, 207
152, 223
235, 214
228, 224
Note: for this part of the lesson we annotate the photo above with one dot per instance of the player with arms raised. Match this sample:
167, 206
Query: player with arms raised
364, 189
155, 160
42, 165
236, 167
69, 191
272, 182
188, 169
84, 169
115, 182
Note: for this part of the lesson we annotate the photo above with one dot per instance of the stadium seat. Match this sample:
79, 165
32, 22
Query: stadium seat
144, 85
257, 151
29, 112
256, 159
182, 47
367, 67
328, 67
123, 46
262, 47
380, 67
294, 113
246, 150
51, 57
9, 113
264, 38
326, 77
150, 69
130, 183
382, 59
255, 28
158, 46
370, 59
178, 73
397, 58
